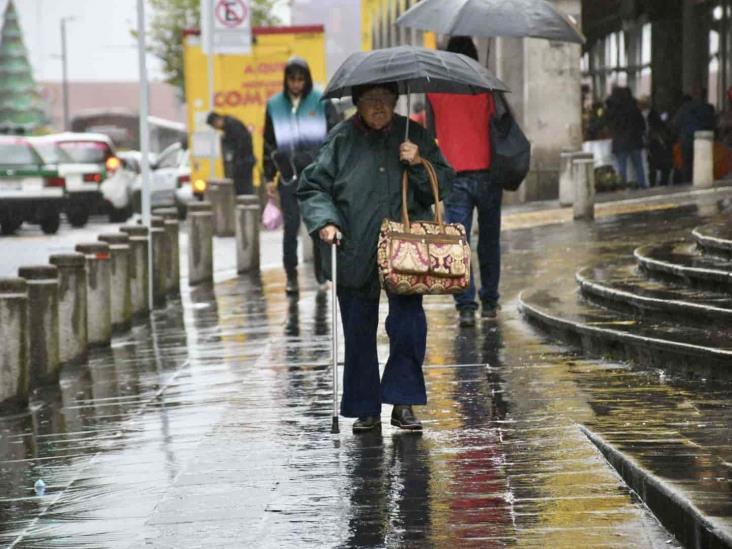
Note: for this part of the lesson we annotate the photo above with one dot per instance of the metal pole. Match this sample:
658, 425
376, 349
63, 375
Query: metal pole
145, 143
64, 73
211, 87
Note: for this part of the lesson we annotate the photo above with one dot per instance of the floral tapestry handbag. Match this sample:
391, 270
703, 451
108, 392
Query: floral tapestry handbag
423, 257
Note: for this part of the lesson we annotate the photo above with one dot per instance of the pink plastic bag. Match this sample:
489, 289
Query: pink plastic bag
271, 216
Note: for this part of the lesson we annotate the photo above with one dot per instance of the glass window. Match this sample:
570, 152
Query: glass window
51, 153
169, 159
18, 153
87, 152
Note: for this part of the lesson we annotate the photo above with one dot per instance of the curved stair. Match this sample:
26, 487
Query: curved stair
620, 285
696, 350
715, 239
683, 261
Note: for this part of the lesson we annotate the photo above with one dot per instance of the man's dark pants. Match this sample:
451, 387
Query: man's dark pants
403, 380
479, 190
291, 216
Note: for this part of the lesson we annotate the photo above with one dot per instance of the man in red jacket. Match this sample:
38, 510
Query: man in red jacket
462, 127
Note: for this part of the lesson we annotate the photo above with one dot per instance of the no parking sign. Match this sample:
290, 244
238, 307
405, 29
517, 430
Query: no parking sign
232, 26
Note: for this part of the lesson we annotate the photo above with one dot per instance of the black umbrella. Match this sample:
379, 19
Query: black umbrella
414, 69
512, 18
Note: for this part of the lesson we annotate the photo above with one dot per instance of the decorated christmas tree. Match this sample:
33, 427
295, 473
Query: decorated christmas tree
20, 103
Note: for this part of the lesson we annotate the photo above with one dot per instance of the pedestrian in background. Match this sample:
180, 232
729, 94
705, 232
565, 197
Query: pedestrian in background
628, 128
352, 186
461, 124
660, 147
296, 124
695, 115
236, 149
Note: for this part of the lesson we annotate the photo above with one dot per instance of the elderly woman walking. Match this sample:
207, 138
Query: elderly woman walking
354, 184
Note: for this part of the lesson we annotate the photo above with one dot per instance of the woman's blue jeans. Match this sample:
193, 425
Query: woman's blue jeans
403, 380
478, 190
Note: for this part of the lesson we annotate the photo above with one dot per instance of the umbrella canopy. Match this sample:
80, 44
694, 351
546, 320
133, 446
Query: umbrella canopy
415, 70
513, 18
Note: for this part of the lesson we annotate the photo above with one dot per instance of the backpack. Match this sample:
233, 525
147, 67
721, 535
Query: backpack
511, 157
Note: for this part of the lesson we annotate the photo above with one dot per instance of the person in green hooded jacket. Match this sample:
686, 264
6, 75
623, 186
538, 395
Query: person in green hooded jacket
354, 183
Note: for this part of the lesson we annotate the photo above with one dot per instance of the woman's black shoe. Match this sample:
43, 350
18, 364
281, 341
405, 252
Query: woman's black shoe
364, 424
403, 417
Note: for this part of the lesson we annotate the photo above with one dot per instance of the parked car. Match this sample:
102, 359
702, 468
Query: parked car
29, 190
92, 149
82, 179
170, 179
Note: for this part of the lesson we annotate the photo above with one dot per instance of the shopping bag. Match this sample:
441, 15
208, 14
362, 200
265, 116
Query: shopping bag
271, 216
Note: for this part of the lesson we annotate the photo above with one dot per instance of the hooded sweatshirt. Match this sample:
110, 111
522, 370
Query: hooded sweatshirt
298, 127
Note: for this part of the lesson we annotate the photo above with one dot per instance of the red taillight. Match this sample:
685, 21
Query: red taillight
55, 182
183, 179
93, 177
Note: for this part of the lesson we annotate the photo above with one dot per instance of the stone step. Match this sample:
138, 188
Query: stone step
684, 261
715, 239
698, 351
620, 285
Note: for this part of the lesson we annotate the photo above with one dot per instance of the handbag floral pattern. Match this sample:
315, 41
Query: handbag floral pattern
423, 257
432, 266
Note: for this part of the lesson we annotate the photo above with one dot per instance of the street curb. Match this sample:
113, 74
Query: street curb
650, 352
672, 508
607, 296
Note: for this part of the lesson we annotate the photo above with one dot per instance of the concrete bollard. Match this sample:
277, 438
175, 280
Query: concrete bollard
14, 356
704, 159
72, 307
566, 181
583, 171
98, 289
247, 233
220, 193
200, 243
138, 268
172, 230
121, 292
43, 338
161, 260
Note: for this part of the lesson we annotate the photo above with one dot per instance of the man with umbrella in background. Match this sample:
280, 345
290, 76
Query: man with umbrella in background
461, 124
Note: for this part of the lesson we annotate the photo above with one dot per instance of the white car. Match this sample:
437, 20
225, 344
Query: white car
82, 179
88, 151
170, 181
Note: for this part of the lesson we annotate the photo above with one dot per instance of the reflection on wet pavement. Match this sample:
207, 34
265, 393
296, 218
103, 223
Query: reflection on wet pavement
210, 427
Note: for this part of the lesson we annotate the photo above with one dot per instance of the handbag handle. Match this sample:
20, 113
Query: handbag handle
432, 176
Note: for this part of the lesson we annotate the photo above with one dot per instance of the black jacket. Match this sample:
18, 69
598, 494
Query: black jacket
236, 143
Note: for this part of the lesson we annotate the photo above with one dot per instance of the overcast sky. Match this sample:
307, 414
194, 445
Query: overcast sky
100, 46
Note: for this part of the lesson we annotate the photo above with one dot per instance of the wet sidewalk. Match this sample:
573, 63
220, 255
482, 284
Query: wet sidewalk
210, 426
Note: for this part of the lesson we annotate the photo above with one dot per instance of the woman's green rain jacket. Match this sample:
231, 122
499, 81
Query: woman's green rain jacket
355, 182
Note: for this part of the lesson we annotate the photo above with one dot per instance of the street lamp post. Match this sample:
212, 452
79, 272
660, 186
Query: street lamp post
64, 72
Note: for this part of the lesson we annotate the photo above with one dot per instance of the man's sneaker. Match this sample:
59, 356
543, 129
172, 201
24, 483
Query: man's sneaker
489, 311
467, 318
368, 423
403, 417
292, 287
